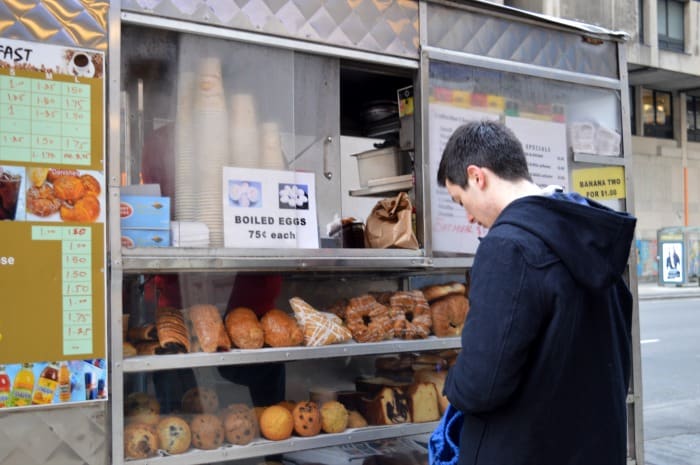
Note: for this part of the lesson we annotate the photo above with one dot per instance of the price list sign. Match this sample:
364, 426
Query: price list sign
76, 284
44, 121
52, 219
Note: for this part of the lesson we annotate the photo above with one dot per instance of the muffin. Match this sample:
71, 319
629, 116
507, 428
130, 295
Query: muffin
142, 408
276, 423
207, 431
140, 441
200, 400
356, 420
174, 435
307, 419
239, 427
334, 417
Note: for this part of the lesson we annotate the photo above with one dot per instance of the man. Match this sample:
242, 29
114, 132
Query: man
544, 368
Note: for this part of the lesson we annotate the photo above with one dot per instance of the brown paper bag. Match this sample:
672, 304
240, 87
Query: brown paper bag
390, 224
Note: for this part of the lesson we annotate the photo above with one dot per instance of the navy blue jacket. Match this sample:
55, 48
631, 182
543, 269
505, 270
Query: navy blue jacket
545, 363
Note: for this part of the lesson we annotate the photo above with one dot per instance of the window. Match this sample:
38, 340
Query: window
671, 25
693, 110
640, 19
657, 112
633, 111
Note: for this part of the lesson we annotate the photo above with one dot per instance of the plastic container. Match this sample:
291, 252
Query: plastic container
379, 163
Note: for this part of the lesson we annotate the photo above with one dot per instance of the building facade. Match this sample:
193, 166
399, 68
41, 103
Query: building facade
663, 53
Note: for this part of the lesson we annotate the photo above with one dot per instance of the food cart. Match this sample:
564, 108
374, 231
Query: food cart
161, 155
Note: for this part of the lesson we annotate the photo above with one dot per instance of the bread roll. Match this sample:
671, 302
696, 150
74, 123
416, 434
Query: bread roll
435, 292
244, 329
281, 329
209, 328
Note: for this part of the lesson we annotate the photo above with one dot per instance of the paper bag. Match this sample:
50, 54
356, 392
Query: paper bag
390, 224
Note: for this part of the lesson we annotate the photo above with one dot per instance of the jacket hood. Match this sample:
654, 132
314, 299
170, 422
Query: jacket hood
592, 240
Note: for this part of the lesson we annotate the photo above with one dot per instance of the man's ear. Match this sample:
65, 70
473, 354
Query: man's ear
475, 175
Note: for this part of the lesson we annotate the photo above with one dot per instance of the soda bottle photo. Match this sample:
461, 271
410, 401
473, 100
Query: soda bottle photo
46, 385
5, 387
23, 386
64, 388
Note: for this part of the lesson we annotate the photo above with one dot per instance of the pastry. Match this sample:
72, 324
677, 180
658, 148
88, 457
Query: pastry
368, 320
423, 402
439, 291
208, 328
281, 329
250, 412
171, 329
145, 332
140, 441
334, 417
147, 347
142, 408
410, 314
244, 329
200, 400
276, 423
174, 435
207, 431
320, 328
239, 425
356, 420
449, 314
128, 350
387, 407
307, 419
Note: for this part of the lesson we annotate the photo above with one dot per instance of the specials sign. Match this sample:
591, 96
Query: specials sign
269, 209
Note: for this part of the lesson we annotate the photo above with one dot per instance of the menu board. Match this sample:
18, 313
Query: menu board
451, 230
52, 225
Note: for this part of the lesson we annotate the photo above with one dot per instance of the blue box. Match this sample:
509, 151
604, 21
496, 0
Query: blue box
145, 238
144, 212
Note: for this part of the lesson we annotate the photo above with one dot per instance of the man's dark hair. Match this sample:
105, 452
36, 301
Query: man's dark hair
486, 144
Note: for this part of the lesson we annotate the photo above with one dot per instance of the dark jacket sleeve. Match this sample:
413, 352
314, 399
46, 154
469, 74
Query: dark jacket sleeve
504, 318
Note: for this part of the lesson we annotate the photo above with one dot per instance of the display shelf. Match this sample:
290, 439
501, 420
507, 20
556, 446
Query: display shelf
598, 159
384, 186
221, 259
143, 363
263, 447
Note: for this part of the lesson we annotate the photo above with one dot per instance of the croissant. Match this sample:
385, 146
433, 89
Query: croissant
320, 328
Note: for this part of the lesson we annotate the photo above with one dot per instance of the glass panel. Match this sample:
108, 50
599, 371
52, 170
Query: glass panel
551, 118
663, 108
661, 20
192, 313
675, 20
240, 144
648, 106
690, 113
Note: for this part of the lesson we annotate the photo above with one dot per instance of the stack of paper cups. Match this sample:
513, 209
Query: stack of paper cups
244, 139
211, 150
271, 147
185, 180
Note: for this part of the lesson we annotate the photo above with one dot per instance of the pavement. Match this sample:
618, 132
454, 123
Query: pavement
653, 290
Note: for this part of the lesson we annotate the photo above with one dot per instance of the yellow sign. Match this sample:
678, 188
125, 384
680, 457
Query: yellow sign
600, 183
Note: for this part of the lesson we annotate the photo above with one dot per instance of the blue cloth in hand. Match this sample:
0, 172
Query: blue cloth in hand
443, 447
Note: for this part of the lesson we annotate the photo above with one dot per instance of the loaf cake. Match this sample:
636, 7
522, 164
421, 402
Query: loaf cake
388, 407
423, 402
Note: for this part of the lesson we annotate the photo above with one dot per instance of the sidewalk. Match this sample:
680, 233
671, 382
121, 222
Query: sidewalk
648, 291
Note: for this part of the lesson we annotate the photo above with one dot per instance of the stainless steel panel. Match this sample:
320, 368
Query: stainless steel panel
73, 435
507, 39
286, 354
389, 27
81, 23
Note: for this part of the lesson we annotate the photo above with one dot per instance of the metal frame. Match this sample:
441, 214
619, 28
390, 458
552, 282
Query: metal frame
222, 260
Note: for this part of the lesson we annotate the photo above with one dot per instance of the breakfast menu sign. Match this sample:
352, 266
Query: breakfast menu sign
52, 222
